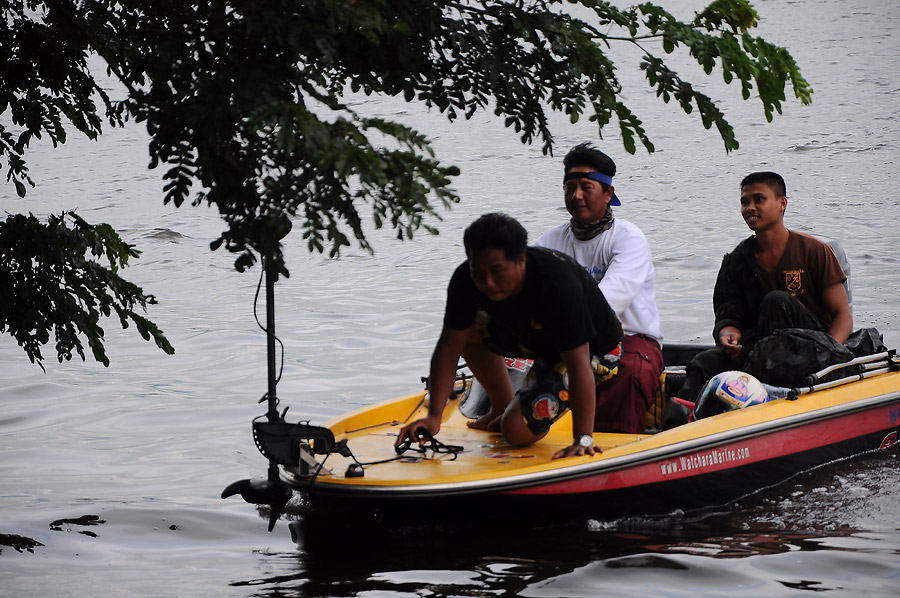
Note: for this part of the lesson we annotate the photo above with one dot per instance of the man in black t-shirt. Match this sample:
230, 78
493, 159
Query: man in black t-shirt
511, 300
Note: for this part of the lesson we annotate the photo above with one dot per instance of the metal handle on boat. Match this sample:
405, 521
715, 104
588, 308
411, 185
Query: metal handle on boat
867, 361
795, 392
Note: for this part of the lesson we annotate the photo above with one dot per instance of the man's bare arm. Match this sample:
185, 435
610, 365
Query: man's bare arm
837, 303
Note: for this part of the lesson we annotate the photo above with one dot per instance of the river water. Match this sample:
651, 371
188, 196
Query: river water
111, 476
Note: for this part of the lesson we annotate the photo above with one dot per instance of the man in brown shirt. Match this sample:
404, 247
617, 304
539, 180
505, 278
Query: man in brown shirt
777, 278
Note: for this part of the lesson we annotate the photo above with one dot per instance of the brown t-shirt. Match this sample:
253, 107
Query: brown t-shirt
806, 269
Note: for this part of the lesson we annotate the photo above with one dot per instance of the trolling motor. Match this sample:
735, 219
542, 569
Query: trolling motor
282, 443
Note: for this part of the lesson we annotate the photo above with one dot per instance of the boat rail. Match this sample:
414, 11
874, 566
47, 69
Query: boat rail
866, 366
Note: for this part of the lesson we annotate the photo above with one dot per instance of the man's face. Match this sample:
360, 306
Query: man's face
586, 200
761, 208
495, 276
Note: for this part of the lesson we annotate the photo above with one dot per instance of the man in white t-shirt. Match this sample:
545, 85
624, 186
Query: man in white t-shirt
616, 253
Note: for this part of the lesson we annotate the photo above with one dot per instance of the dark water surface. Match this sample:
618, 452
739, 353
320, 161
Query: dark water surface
110, 477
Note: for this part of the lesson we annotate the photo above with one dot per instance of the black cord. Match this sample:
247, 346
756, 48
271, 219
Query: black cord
427, 442
263, 328
352, 456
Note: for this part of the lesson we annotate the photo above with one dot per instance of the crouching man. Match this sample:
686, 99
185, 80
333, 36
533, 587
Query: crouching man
508, 299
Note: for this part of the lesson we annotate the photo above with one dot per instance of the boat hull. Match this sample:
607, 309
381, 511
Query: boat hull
705, 463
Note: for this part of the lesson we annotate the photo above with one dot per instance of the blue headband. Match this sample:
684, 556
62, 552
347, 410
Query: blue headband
594, 176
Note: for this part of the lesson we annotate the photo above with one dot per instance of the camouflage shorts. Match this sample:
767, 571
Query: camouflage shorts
544, 395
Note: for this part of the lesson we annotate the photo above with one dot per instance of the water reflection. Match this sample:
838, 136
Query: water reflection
19, 543
459, 552
578, 558
76, 524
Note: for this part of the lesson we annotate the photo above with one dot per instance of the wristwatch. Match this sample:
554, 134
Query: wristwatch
585, 440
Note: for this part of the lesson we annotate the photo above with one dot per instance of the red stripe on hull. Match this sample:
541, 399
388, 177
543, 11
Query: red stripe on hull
775, 444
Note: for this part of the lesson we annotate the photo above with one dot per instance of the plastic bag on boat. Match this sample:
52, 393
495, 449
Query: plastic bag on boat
787, 356
677, 412
865, 341
712, 402
729, 391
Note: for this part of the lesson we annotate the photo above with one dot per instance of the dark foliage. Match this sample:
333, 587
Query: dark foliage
246, 102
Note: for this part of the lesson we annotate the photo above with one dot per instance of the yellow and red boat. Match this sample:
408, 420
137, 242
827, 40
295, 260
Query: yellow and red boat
350, 462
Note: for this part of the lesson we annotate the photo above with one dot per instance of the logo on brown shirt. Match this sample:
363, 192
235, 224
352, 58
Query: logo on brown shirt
792, 281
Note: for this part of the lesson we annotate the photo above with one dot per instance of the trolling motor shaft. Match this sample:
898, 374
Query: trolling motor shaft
279, 441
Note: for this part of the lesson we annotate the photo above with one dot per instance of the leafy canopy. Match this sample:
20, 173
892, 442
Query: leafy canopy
50, 283
246, 101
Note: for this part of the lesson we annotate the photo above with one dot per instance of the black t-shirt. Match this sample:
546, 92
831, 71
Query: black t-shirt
560, 308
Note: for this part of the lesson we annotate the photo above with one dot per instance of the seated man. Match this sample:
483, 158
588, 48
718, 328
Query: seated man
508, 299
617, 255
774, 279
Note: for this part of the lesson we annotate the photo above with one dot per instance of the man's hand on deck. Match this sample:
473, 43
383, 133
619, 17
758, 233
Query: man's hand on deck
431, 423
576, 450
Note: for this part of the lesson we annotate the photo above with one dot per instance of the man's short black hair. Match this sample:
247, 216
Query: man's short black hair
496, 231
585, 154
772, 179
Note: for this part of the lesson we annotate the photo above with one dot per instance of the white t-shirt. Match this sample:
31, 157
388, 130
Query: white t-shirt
619, 260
